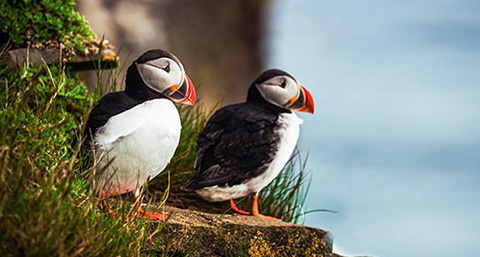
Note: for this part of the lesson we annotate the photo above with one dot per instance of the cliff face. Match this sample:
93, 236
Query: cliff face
196, 233
219, 42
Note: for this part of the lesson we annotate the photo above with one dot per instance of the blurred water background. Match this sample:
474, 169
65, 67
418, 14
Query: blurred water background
394, 145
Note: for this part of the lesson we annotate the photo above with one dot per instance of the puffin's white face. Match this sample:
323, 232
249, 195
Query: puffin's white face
286, 92
279, 90
168, 77
160, 74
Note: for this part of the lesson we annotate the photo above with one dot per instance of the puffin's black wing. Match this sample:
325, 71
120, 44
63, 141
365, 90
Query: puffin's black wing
237, 144
109, 106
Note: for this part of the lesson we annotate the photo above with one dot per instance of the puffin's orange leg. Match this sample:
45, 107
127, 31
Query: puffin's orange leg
151, 215
235, 209
256, 213
147, 214
105, 205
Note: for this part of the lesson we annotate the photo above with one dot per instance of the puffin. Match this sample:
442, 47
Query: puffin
244, 146
133, 134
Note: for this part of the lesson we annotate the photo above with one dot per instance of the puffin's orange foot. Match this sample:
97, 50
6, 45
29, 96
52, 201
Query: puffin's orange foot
241, 212
151, 215
266, 217
106, 207
256, 213
235, 209
114, 214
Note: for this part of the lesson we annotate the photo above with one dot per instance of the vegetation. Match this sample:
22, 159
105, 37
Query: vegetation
35, 22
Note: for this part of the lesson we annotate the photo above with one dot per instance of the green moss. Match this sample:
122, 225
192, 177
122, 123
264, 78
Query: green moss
38, 21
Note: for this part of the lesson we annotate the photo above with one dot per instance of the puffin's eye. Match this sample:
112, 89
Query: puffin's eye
283, 84
167, 68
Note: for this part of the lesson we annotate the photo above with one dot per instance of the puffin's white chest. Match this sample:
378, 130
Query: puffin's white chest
136, 145
288, 130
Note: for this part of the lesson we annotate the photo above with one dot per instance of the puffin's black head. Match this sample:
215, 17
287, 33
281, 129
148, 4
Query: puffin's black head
158, 72
280, 89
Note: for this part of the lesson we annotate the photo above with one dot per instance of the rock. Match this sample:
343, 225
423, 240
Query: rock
195, 233
103, 57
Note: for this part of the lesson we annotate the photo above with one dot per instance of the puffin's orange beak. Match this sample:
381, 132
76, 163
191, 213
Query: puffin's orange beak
190, 96
304, 101
184, 94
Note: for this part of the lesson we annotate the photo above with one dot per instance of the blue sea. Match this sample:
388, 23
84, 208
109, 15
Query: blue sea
394, 144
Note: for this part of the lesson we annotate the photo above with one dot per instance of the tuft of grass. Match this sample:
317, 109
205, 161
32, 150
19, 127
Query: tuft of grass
285, 196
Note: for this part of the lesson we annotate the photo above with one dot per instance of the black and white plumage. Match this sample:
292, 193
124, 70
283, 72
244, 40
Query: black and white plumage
243, 147
133, 134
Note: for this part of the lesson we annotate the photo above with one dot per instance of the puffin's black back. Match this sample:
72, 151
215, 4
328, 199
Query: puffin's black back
237, 144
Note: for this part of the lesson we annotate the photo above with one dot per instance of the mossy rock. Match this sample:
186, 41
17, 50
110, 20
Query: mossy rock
37, 32
36, 22
196, 233
97, 55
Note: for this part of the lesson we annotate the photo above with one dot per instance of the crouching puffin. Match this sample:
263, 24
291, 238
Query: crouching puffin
243, 147
133, 133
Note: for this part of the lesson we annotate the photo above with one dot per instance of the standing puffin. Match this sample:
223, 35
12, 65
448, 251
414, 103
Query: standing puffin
243, 147
133, 133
